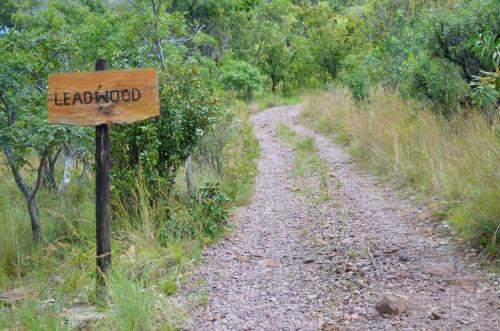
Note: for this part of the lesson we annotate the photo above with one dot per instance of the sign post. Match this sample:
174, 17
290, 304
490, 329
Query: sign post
102, 197
98, 99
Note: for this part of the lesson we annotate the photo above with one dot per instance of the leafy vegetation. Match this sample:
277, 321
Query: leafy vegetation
156, 236
433, 64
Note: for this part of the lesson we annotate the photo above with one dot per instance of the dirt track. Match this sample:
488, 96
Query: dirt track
293, 264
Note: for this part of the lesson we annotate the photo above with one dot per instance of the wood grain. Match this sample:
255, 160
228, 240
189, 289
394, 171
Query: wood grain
103, 97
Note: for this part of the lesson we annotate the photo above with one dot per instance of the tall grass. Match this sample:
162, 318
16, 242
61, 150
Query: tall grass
452, 160
155, 239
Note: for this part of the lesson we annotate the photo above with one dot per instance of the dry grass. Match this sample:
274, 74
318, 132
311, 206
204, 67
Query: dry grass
455, 160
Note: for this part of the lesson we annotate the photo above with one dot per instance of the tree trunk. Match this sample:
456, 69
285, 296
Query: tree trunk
36, 229
68, 164
30, 194
49, 171
189, 177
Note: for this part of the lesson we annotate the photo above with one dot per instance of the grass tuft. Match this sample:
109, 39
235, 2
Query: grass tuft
306, 163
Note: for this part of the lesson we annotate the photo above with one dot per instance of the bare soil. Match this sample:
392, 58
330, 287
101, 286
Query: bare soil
296, 264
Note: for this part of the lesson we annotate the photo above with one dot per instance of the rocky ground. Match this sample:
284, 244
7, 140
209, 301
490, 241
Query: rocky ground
296, 264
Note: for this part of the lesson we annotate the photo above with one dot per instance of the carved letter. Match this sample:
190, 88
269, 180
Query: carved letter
114, 95
126, 95
66, 98
136, 94
101, 96
87, 97
55, 101
77, 97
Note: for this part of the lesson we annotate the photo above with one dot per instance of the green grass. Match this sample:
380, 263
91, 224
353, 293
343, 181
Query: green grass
307, 164
133, 305
269, 100
155, 239
453, 161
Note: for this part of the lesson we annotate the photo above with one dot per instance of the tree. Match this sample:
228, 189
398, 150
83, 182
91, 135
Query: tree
242, 77
25, 137
147, 34
32, 48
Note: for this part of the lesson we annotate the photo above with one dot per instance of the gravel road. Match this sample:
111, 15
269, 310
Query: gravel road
295, 264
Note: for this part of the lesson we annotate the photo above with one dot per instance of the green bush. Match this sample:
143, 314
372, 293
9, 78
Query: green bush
479, 220
435, 80
242, 77
356, 78
157, 147
214, 203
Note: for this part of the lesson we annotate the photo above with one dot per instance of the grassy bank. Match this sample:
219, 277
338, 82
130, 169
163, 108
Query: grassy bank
155, 240
454, 161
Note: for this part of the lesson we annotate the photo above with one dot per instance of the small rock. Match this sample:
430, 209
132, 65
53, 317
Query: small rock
392, 303
361, 283
402, 275
392, 250
309, 261
241, 258
403, 257
255, 253
81, 317
435, 315
426, 215
350, 267
438, 269
268, 263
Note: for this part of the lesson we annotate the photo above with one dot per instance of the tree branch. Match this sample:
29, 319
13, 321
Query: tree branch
17, 175
183, 40
39, 173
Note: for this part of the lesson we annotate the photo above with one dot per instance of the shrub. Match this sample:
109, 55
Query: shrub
242, 77
214, 203
435, 80
356, 78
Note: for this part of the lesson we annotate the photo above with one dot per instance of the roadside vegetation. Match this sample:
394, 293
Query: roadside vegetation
155, 239
453, 161
431, 121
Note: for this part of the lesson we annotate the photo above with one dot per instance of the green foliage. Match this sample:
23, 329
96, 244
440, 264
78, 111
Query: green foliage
158, 147
213, 202
32, 317
479, 220
156, 236
356, 78
435, 80
486, 88
241, 77
134, 306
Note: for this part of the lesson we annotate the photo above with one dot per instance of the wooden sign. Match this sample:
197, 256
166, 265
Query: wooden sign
103, 97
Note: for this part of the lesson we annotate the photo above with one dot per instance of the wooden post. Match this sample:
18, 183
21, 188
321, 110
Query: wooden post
102, 197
